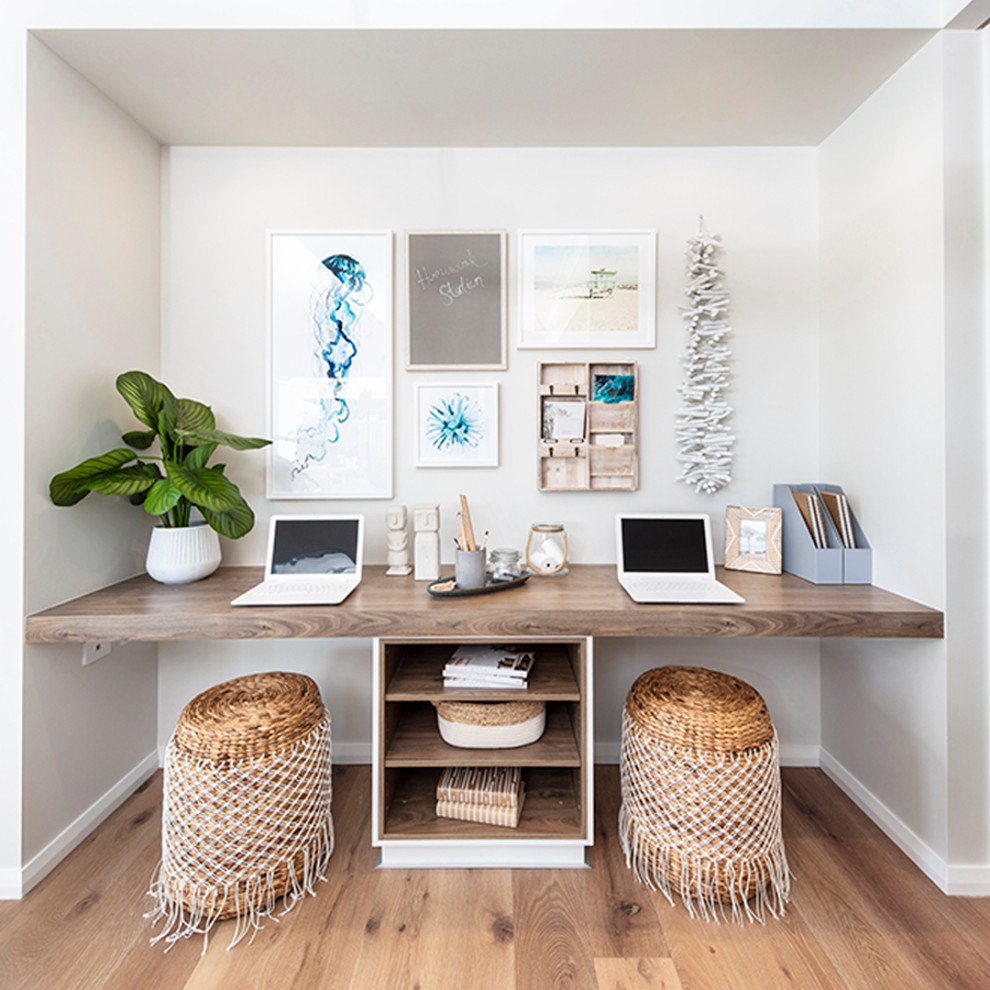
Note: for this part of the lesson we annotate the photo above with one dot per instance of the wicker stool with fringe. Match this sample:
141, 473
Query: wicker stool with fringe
700, 813
246, 816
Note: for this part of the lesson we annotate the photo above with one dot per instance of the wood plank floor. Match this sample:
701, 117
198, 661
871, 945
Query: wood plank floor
862, 917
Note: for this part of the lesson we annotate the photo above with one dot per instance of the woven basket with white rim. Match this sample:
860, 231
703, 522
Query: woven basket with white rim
491, 724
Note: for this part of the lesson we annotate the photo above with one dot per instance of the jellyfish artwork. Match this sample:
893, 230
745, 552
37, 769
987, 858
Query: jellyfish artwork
336, 311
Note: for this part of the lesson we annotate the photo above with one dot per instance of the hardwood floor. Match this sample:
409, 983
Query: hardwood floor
861, 917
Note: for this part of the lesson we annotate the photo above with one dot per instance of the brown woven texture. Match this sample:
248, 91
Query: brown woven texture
700, 709
714, 717
248, 717
489, 712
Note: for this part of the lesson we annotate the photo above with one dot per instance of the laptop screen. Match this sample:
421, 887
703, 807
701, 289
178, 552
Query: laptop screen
665, 545
308, 545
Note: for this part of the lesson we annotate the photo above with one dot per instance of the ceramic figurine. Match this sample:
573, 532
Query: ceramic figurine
397, 540
426, 522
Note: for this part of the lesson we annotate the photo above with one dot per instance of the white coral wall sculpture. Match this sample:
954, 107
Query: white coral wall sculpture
703, 437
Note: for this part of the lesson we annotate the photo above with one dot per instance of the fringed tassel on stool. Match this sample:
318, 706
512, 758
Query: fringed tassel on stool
237, 839
702, 825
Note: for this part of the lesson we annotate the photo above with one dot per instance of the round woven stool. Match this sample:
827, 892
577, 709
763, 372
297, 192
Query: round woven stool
700, 778
246, 816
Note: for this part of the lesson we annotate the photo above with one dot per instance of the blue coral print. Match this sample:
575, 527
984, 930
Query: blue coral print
454, 423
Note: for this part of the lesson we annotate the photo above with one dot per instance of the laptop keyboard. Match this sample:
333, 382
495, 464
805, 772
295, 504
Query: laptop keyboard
278, 589
673, 591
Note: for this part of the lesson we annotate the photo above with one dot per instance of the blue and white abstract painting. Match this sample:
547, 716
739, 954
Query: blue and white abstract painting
457, 425
331, 365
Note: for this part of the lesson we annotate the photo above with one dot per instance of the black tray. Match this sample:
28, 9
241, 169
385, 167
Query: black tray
491, 586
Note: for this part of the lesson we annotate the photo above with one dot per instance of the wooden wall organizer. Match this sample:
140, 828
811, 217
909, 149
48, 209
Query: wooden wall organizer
587, 443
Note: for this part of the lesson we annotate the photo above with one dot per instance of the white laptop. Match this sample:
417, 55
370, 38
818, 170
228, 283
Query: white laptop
667, 557
312, 560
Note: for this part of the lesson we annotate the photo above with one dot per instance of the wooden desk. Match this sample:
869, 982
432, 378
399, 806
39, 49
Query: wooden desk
411, 628
586, 602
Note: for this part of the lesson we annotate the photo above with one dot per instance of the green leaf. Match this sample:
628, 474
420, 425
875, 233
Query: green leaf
225, 439
127, 481
206, 489
168, 417
161, 497
193, 416
198, 457
69, 487
143, 394
234, 523
140, 439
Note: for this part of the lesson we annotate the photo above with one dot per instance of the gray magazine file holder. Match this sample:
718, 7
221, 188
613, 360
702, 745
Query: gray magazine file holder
833, 564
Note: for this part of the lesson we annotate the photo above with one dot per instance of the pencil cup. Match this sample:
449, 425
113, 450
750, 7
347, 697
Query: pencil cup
469, 568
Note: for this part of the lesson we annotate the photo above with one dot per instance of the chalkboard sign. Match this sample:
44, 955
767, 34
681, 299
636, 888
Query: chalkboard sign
456, 292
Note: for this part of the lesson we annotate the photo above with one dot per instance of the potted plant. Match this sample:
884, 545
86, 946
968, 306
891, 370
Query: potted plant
171, 483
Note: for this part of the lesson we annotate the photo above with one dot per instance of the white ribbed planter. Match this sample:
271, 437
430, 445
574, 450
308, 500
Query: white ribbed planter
184, 554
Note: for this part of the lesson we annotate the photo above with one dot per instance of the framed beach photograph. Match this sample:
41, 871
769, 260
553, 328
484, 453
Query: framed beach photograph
457, 425
587, 289
330, 360
456, 288
753, 539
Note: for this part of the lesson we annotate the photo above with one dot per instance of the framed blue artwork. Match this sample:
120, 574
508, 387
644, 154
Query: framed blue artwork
330, 357
457, 425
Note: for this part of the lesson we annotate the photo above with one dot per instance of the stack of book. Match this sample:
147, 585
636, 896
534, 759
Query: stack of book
491, 795
486, 666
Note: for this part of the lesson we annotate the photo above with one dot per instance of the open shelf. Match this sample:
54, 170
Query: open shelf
551, 809
409, 753
419, 677
416, 742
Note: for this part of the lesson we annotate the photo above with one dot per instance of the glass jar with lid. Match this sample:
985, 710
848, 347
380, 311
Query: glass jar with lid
504, 563
546, 549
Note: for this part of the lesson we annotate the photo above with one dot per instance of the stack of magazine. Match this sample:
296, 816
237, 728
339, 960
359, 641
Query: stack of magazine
487, 666
491, 795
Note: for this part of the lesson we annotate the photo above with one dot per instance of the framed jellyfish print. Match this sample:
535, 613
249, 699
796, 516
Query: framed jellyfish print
330, 313
457, 425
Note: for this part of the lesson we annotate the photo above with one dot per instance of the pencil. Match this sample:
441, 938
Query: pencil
468, 529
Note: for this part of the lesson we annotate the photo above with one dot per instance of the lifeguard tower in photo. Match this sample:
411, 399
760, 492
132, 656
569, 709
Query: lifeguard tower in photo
601, 284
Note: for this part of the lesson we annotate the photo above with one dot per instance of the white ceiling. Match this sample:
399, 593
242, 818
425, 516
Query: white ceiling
488, 88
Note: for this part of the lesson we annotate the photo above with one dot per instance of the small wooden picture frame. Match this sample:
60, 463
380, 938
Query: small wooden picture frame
753, 539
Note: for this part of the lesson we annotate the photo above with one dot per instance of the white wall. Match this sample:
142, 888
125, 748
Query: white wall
220, 202
966, 133
752, 253
13, 113
93, 291
902, 367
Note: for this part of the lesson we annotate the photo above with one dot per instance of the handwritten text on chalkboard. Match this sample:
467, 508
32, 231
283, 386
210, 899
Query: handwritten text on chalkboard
450, 290
456, 295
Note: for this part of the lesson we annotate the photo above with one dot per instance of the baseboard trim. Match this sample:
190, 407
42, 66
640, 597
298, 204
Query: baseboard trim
351, 753
11, 885
968, 881
913, 846
959, 881
47, 859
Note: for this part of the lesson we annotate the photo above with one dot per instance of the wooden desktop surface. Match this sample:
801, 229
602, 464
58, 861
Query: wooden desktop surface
587, 601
